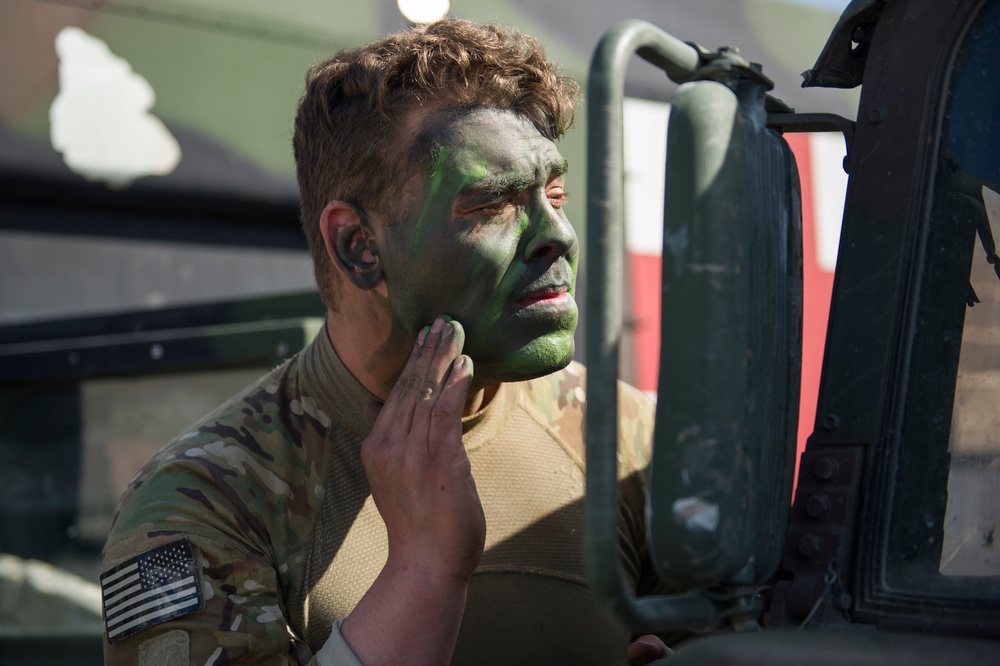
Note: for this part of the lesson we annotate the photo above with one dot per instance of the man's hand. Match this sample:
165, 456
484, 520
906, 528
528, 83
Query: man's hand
417, 468
647, 649
421, 481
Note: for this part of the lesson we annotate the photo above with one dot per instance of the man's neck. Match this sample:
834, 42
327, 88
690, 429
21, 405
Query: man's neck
376, 361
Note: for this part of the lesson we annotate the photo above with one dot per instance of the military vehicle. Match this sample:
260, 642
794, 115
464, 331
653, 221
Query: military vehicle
155, 288
888, 553
152, 264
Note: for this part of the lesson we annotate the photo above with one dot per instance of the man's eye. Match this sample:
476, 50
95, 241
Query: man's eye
483, 211
491, 207
558, 197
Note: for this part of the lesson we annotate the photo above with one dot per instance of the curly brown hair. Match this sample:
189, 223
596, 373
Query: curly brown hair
348, 140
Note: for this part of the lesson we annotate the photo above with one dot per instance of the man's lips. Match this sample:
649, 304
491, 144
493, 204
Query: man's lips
545, 294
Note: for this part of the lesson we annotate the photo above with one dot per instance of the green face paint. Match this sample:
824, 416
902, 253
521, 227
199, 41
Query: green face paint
488, 244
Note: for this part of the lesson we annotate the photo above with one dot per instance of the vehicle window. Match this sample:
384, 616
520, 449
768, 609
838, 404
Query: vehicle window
946, 501
970, 546
43, 276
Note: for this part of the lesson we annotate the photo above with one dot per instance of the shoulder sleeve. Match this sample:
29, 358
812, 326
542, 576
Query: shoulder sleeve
239, 614
636, 420
561, 400
224, 506
636, 417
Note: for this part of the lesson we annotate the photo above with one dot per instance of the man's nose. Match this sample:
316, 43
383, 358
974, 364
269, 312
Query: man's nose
550, 236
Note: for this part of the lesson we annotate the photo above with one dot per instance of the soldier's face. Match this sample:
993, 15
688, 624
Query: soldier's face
484, 239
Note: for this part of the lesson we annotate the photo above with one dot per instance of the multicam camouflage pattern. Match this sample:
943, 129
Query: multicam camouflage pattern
260, 485
561, 398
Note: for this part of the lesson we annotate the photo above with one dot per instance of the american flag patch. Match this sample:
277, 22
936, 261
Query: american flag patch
149, 589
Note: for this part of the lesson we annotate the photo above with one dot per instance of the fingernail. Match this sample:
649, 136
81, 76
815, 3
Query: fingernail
449, 330
459, 363
422, 334
438, 325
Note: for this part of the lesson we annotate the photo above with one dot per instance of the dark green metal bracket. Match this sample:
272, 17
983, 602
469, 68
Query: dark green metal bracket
605, 219
732, 265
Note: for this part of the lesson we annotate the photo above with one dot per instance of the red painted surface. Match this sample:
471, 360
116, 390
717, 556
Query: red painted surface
644, 280
817, 287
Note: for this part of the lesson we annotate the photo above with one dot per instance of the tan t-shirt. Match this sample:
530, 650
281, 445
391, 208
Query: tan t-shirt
264, 509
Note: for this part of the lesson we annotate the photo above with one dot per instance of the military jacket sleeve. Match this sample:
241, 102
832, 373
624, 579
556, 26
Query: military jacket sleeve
205, 532
239, 618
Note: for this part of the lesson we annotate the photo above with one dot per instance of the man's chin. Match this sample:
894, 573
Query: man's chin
537, 359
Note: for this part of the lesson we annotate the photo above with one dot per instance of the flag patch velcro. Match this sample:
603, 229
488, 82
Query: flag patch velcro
151, 588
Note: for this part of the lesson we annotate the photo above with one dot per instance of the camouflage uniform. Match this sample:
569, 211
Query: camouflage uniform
285, 539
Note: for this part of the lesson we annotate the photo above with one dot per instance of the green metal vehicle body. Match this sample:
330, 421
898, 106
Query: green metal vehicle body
888, 551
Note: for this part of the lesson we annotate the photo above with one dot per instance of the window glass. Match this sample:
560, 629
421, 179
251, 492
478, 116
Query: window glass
125, 421
946, 501
43, 276
970, 545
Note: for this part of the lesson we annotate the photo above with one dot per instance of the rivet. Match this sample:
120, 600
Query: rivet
826, 468
810, 545
818, 505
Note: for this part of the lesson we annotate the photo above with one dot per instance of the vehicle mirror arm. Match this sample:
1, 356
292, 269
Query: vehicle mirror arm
605, 220
815, 122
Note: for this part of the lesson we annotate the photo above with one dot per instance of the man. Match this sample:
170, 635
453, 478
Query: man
285, 527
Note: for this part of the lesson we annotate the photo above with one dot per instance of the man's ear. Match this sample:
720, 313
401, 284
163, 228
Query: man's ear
350, 244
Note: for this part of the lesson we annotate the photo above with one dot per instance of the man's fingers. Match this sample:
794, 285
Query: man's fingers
446, 414
647, 649
449, 345
399, 405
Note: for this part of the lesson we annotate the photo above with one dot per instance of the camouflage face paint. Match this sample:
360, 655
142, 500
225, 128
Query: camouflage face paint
488, 243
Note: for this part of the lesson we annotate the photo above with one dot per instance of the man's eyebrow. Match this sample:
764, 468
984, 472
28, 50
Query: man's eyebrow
514, 182
499, 184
